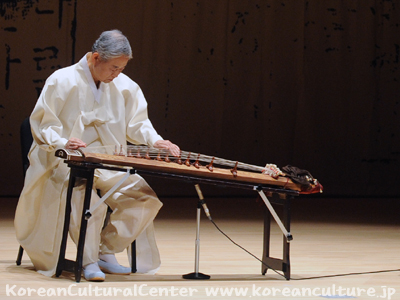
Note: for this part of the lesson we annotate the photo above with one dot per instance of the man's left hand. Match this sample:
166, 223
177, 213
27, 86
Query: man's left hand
165, 144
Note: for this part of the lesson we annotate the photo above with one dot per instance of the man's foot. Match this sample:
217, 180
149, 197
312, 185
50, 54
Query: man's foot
109, 264
92, 272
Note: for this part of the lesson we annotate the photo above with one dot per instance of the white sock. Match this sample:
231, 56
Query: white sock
110, 258
92, 268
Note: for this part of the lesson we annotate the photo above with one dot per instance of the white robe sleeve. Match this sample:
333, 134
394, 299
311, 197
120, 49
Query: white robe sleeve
46, 127
139, 129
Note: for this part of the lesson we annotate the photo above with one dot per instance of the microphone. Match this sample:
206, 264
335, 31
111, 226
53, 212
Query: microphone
202, 202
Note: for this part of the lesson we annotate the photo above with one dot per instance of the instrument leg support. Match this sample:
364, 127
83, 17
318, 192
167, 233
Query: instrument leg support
63, 263
275, 263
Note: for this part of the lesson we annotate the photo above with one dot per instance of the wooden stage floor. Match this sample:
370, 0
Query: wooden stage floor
342, 248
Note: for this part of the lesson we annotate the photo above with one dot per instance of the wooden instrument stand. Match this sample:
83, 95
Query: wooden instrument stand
85, 170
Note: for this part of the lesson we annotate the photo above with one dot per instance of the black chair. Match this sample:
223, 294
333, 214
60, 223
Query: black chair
26, 143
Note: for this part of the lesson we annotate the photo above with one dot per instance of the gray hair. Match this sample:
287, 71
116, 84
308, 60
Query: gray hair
112, 44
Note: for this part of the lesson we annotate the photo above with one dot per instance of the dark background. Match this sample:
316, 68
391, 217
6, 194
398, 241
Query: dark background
313, 84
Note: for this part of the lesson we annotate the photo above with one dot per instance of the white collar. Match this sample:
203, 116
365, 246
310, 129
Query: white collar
96, 91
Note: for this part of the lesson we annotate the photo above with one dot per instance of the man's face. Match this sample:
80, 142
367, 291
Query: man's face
106, 71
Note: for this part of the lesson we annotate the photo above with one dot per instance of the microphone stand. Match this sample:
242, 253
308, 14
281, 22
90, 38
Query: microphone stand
196, 274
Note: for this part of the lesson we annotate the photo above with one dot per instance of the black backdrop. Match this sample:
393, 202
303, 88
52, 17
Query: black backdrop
308, 83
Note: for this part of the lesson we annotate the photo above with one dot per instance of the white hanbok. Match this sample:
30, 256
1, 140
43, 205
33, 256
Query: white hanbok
69, 106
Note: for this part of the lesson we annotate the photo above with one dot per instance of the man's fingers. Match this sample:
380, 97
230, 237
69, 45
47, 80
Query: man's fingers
74, 144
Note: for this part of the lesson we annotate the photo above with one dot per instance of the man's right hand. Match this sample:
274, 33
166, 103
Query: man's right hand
74, 143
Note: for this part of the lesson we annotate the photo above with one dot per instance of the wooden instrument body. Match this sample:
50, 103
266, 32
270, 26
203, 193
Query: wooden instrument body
173, 167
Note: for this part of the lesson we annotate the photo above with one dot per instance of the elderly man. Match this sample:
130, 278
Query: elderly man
90, 104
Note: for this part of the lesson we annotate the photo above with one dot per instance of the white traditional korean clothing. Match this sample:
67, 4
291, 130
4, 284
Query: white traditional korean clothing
69, 106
